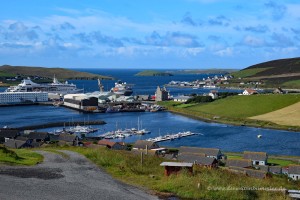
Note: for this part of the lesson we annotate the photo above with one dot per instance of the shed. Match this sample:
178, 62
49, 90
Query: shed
275, 169
39, 136
111, 144
257, 158
68, 138
16, 144
209, 152
243, 163
8, 133
142, 144
199, 160
294, 172
176, 167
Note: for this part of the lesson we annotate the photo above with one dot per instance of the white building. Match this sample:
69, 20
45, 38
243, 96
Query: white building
22, 97
249, 92
213, 94
257, 158
294, 172
181, 98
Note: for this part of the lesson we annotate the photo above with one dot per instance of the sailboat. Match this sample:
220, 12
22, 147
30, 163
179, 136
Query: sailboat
141, 131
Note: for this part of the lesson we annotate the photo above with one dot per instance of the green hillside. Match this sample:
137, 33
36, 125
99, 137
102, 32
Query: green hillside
271, 68
246, 106
60, 73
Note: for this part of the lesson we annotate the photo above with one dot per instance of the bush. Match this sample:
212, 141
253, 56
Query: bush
199, 99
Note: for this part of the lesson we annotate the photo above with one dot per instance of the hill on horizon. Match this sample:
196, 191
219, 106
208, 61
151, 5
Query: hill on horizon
279, 73
60, 73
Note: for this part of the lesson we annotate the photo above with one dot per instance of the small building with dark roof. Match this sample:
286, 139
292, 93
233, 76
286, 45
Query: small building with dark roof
294, 172
39, 136
242, 163
176, 167
8, 133
257, 158
275, 169
250, 172
199, 160
16, 144
208, 152
68, 139
143, 144
112, 145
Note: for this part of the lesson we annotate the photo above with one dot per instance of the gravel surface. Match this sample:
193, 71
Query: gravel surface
68, 177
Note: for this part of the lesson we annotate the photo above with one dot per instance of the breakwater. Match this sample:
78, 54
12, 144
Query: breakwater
59, 124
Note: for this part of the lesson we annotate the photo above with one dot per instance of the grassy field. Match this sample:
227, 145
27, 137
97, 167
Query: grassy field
247, 72
19, 157
286, 116
238, 110
246, 106
127, 167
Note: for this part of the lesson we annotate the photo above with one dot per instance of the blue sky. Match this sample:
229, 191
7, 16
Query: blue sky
185, 34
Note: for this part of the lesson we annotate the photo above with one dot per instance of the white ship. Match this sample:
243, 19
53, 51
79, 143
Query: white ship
122, 88
27, 85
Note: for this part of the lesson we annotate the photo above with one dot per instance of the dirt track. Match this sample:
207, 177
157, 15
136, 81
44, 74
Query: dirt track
63, 178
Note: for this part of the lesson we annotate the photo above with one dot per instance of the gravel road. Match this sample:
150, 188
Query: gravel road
58, 177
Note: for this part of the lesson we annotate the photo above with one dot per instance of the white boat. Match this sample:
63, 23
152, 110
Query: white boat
82, 129
259, 136
27, 85
122, 88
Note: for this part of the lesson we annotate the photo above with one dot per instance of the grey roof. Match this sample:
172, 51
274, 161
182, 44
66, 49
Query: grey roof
239, 163
193, 158
16, 144
256, 173
275, 169
177, 164
22, 138
53, 137
196, 150
141, 144
264, 168
38, 135
67, 137
250, 172
255, 155
294, 169
9, 133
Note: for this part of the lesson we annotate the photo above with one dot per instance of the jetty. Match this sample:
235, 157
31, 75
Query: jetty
172, 136
59, 124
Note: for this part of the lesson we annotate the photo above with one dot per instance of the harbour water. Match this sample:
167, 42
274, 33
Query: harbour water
225, 137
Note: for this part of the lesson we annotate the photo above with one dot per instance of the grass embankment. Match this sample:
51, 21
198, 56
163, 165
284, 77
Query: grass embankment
127, 167
19, 157
238, 109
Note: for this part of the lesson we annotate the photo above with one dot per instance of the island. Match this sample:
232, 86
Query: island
153, 73
9, 75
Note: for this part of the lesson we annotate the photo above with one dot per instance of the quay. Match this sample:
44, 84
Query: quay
59, 124
172, 136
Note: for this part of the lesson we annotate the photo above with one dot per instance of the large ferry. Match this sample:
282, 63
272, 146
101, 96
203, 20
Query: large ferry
27, 85
122, 88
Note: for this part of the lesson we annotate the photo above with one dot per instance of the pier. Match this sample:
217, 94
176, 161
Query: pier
59, 124
172, 136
